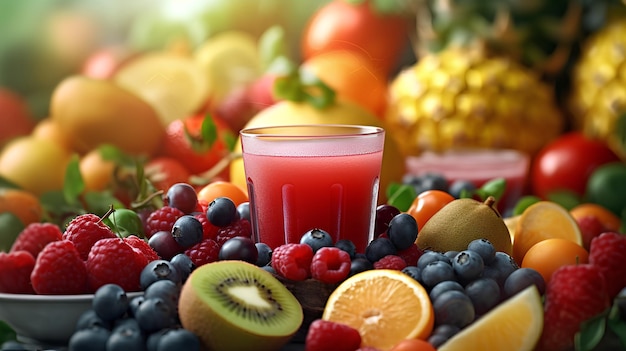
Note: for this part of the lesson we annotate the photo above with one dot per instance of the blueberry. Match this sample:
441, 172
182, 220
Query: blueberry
359, 265
484, 293
155, 314
178, 339
461, 187
434, 181
468, 265
165, 245
126, 337
442, 333
184, 265
503, 265
379, 248
484, 248
413, 272
167, 290
153, 339
110, 302
269, 268
402, 231
437, 272
431, 256
239, 248
446, 285
125, 324
384, 214
135, 302
90, 339
451, 254
13, 345
158, 270
316, 238
183, 197
243, 210
89, 319
264, 256
347, 246
187, 231
222, 212
455, 308
522, 278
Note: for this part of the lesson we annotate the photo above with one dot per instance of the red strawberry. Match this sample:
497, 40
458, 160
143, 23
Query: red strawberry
574, 294
59, 270
85, 230
162, 219
204, 252
240, 227
141, 246
114, 261
293, 261
322, 334
15, 270
330, 265
36, 236
608, 253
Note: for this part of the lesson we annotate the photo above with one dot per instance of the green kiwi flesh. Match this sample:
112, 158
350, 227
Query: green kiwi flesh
234, 305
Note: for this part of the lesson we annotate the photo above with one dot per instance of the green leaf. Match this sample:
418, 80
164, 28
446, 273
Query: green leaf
6, 333
10, 228
565, 198
73, 184
100, 202
5, 183
230, 139
400, 196
116, 155
620, 132
209, 131
590, 334
618, 327
523, 203
494, 187
272, 44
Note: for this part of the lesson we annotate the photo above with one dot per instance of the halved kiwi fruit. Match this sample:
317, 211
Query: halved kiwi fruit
234, 305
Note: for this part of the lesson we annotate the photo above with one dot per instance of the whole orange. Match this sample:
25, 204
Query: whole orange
23, 204
548, 255
220, 188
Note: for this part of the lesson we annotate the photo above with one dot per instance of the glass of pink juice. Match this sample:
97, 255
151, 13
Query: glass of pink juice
304, 177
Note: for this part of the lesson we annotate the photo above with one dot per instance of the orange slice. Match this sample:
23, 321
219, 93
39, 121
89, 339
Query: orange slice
543, 220
385, 306
514, 325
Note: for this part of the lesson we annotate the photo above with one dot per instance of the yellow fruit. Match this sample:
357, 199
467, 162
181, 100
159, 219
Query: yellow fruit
385, 306
460, 222
49, 129
540, 221
342, 112
97, 172
514, 325
93, 112
36, 165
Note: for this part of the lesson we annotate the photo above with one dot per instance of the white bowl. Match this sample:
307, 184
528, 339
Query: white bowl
45, 320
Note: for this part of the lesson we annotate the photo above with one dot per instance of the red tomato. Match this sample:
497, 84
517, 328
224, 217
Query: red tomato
566, 163
340, 25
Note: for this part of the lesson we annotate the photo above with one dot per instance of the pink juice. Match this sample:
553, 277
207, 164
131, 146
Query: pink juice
306, 184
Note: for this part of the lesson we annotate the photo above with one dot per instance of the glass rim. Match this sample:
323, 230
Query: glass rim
288, 131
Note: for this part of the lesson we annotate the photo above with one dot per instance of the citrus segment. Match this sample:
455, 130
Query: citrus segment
385, 306
543, 220
514, 325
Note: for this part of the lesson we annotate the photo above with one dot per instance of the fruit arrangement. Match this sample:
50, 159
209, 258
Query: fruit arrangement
121, 171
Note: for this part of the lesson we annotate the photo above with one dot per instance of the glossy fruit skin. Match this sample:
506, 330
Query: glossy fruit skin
607, 186
567, 162
340, 25
426, 204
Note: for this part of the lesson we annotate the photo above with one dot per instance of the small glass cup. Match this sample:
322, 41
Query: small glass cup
303, 177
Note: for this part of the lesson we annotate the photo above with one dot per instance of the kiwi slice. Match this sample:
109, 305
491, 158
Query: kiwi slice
234, 305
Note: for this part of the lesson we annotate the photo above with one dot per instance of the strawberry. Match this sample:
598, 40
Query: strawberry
608, 253
204, 252
574, 294
115, 261
85, 230
323, 333
15, 270
293, 261
59, 270
240, 227
162, 219
163, 172
35, 237
141, 246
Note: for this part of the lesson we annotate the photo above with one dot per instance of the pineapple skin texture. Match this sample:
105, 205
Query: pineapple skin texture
598, 95
460, 98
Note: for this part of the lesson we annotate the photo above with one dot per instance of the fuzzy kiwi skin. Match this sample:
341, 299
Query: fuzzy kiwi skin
461, 221
219, 333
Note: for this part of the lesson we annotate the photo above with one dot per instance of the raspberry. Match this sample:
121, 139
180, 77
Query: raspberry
204, 252
330, 265
59, 269
411, 255
15, 270
323, 333
608, 253
293, 261
209, 231
142, 247
113, 261
35, 237
239, 227
390, 262
85, 230
162, 219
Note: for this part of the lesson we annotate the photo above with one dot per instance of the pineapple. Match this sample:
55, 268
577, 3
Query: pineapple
482, 76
